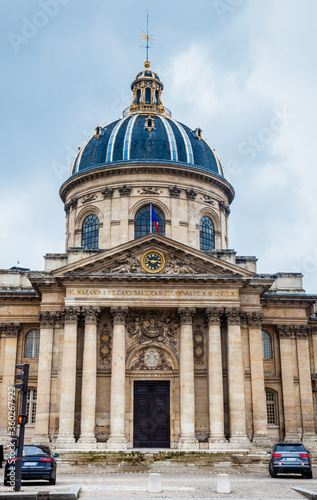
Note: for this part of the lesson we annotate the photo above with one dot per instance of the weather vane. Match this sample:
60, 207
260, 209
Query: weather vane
147, 38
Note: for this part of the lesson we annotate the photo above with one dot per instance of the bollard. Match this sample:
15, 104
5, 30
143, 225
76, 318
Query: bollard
223, 483
154, 484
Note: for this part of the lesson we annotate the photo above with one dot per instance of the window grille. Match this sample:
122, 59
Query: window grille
143, 222
90, 232
31, 406
271, 407
267, 347
32, 344
206, 233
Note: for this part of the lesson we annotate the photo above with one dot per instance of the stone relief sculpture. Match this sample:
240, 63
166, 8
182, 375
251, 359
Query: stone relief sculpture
176, 265
149, 190
151, 359
127, 264
105, 338
146, 327
199, 344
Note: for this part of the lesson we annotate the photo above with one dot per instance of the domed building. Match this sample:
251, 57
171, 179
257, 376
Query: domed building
149, 332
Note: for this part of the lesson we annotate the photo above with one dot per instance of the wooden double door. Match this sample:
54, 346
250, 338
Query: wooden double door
151, 415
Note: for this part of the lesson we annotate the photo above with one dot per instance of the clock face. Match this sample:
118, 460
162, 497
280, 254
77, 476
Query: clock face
153, 261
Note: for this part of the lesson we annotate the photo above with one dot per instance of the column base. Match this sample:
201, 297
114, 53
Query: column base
91, 438
117, 443
217, 439
41, 439
263, 441
65, 439
188, 443
292, 437
241, 439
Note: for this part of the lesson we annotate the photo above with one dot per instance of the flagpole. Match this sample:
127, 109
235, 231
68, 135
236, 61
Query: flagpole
151, 218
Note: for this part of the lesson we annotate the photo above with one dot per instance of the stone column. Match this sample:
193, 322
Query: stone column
306, 392
215, 378
259, 413
285, 333
89, 376
187, 438
314, 342
68, 377
117, 439
47, 320
236, 379
10, 333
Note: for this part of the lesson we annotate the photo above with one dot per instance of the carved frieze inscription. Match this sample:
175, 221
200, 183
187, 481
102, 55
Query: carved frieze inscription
147, 293
147, 327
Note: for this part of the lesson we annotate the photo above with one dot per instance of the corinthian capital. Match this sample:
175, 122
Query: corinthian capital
10, 329
255, 319
233, 316
70, 314
119, 315
48, 318
186, 315
213, 315
91, 314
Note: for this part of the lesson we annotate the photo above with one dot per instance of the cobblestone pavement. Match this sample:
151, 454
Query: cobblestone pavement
178, 482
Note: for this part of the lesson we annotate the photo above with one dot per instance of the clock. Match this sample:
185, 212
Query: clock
153, 261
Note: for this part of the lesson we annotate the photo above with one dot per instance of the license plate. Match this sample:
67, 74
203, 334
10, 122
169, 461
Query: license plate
291, 459
29, 464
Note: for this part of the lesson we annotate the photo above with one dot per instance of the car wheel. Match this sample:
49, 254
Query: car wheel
272, 472
52, 480
308, 475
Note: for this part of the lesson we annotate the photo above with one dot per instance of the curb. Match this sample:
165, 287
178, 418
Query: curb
71, 494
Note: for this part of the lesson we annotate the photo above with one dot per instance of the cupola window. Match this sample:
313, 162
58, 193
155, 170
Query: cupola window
138, 96
206, 234
149, 219
148, 95
90, 232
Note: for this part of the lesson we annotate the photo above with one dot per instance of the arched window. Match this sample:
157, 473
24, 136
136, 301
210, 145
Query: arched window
32, 344
206, 233
90, 232
271, 407
267, 346
31, 406
138, 96
143, 221
147, 95
157, 95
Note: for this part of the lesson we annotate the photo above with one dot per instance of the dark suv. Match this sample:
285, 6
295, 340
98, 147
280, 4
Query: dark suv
288, 458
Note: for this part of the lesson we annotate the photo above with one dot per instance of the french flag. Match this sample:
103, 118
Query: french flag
154, 219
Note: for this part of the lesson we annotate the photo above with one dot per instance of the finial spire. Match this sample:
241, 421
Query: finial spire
148, 39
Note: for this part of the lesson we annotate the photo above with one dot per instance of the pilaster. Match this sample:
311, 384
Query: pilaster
117, 438
259, 412
47, 322
89, 376
236, 378
68, 377
187, 438
215, 377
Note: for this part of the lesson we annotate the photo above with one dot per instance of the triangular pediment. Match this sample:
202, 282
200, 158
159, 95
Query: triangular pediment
176, 259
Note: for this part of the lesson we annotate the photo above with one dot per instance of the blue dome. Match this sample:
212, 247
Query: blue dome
147, 138
147, 133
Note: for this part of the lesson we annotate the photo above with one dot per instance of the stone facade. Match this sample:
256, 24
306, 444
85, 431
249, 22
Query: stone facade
228, 357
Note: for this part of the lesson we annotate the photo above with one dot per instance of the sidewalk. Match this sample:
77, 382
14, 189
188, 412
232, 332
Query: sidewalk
178, 482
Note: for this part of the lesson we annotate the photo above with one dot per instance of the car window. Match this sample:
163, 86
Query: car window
34, 450
290, 447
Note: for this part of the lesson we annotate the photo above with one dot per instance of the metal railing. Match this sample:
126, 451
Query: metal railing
146, 108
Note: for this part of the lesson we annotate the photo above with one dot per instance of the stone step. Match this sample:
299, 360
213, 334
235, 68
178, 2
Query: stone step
139, 459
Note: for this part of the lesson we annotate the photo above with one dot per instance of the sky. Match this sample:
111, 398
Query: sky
243, 70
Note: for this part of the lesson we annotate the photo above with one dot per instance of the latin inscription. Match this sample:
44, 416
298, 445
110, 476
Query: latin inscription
102, 292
